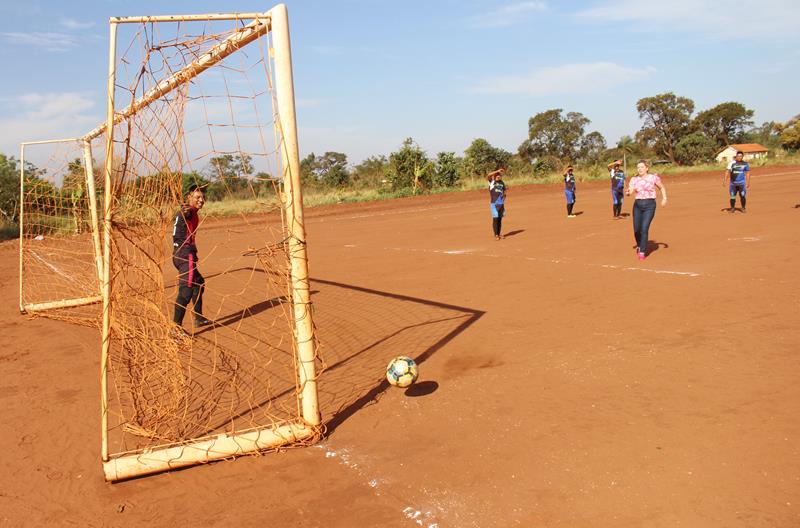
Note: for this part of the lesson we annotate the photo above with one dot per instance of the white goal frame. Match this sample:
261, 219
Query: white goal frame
226, 445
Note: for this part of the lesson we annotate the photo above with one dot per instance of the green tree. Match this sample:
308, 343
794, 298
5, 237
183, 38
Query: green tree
371, 172
593, 145
666, 120
229, 167
790, 136
724, 124
551, 134
768, 134
695, 148
409, 167
308, 176
481, 158
9, 187
445, 172
331, 169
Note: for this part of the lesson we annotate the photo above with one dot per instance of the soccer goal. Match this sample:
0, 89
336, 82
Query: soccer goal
60, 257
204, 99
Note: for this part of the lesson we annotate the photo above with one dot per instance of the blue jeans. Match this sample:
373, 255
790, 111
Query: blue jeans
643, 213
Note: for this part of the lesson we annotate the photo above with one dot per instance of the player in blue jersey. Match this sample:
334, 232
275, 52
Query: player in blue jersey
569, 190
497, 200
617, 186
738, 178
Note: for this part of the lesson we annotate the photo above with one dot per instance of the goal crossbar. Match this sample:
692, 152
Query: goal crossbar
252, 31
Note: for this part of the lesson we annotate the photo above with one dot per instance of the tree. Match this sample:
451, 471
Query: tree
230, 167
593, 145
371, 172
552, 135
481, 158
724, 124
768, 134
409, 167
666, 120
694, 148
445, 172
790, 136
9, 188
331, 169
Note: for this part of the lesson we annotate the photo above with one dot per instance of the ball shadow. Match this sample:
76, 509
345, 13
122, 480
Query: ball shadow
422, 388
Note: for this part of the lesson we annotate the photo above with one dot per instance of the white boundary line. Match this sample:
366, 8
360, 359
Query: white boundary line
471, 252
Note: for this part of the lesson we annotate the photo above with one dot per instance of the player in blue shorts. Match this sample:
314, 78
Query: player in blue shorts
569, 190
617, 186
497, 200
738, 177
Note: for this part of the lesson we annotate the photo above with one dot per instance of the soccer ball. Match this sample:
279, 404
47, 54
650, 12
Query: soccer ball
402, 371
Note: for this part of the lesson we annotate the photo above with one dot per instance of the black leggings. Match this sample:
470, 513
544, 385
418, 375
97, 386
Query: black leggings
191, 286
497, 225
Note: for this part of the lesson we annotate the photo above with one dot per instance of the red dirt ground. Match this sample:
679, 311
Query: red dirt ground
563, 382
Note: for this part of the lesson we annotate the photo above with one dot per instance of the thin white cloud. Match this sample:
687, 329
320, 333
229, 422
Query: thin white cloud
71, 23
564, 79
731, 20
507, 15
56, 42
36, 117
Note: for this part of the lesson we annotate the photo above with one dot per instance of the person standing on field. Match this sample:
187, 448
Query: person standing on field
569, 190
191, 283
643, 187
497, 200
738, 178
617, 186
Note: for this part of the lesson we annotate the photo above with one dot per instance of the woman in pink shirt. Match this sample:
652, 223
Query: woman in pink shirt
643, 187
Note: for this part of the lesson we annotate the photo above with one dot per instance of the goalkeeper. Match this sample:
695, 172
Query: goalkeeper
184, 257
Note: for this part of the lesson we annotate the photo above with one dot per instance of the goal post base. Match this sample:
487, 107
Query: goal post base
55, 305
217, 448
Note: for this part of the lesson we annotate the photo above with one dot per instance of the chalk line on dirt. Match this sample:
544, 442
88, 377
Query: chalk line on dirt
541, 259
422, 518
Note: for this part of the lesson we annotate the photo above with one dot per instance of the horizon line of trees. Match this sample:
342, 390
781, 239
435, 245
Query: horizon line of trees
670, 130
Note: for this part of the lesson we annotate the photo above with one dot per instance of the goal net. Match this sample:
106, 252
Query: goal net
203, 100
60, 266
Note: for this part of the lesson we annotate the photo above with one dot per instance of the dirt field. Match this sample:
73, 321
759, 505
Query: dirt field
563, 382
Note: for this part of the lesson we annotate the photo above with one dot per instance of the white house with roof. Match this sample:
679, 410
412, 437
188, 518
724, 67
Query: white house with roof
751, 151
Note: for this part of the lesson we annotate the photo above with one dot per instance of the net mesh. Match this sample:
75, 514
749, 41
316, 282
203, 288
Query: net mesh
219, 129
59, 265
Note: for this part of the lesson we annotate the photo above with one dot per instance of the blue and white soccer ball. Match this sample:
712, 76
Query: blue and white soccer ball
402, 371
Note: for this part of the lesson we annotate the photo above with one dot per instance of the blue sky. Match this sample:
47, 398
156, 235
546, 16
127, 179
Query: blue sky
370, 73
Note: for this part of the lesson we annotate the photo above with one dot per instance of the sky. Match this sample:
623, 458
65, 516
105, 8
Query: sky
369, 74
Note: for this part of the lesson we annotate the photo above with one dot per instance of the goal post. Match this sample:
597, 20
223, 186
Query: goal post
59, 239
210, 98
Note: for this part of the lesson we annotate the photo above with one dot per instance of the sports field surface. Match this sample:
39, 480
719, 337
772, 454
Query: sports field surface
562, 381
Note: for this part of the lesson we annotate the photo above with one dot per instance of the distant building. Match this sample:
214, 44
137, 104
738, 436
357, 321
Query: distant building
751, 151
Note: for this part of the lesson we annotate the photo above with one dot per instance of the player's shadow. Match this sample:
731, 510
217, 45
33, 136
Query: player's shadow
728, 209
653, 246
243, 367
577, 213
512, 233
624, 215
362, 329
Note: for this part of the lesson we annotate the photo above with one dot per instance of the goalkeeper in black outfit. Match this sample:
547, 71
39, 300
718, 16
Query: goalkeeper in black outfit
184, 257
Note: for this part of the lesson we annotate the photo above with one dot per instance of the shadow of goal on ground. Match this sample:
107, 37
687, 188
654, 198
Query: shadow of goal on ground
361, 329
